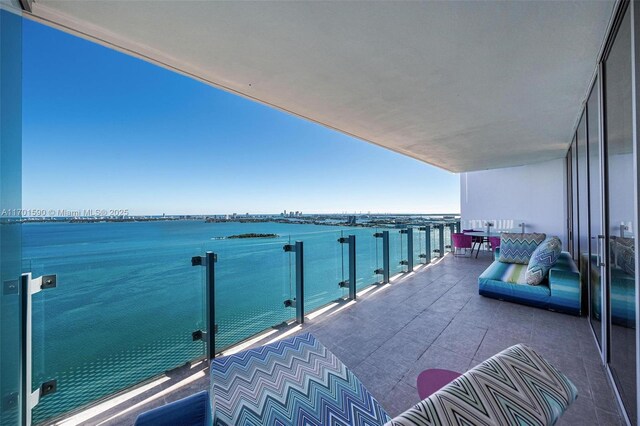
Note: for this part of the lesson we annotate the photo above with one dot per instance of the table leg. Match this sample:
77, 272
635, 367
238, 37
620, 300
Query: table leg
479, 246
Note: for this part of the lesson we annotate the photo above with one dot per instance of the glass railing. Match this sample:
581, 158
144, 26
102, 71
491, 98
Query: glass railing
253, 279
122, 311
368, 256
397, 251
419, 246
125, 309
434, 241
325, 266
438, 250
448, 244
497, 225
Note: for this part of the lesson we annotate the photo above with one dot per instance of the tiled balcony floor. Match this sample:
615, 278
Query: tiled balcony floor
433, 318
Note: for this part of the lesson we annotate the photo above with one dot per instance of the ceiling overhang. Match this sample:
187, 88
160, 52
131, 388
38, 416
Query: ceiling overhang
460, 85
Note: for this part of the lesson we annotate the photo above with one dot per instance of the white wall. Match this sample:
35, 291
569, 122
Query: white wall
535, 194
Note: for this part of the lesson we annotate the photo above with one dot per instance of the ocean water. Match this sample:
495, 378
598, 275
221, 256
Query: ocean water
128, 299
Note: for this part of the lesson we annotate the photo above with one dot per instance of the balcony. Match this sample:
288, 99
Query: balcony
496, 91
431, 318
124, 309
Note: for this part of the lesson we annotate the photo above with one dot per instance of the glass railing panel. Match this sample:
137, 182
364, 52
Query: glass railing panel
326, 264
253, 279
368, 256
507, 225
448, 243
475, 224
435, 240
397, 251
497, 225
123, 311
419, 246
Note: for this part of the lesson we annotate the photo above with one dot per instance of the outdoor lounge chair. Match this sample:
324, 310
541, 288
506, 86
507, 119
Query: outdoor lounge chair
515, 387
298, 381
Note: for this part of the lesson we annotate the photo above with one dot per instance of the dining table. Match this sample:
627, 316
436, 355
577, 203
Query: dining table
485, 236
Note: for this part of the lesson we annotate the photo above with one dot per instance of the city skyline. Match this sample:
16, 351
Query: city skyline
120, 133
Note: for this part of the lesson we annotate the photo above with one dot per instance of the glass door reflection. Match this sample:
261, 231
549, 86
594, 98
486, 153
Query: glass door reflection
620, 212
595, 213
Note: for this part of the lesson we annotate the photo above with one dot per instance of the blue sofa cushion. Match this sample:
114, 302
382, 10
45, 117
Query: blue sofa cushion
513, 273
191, 411
518, 248
493, 283
543, 258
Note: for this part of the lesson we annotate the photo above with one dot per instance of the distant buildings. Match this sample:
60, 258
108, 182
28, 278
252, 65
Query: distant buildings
291, 214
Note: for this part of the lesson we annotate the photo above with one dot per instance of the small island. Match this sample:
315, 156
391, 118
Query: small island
252, 235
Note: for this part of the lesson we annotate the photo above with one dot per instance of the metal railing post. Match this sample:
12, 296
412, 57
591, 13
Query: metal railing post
352, 267
409, 249
210, 294
385, 257
351, 282
427, 243
209, 335
441, 239
28, 287
299, 282
298, 302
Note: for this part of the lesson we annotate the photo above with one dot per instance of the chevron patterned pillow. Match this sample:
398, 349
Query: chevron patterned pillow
518, 248
515, 387
293, 381
543, 259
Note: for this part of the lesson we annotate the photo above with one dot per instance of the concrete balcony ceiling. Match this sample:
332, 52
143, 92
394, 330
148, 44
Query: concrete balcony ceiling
460, 85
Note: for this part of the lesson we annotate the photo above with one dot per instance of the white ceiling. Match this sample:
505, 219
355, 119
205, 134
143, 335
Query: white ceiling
461, 85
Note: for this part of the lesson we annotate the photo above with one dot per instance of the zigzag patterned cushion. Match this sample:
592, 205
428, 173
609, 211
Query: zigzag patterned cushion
294, 381
543, 259
518, 248
515, 387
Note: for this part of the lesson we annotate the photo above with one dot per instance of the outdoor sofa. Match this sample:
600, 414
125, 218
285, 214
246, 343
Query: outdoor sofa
560, 289
298, 381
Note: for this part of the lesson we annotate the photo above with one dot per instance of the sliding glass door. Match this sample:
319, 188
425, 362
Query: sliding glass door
575, 233
584, 212
569, 186
595, 212
11, 396
619, 204
582, 172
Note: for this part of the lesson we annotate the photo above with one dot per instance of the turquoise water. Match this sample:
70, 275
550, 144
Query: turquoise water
128, 298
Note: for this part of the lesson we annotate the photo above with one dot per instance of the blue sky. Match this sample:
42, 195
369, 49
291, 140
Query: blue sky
106, 131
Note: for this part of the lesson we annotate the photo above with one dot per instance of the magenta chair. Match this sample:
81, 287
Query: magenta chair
494, 243
474, 240
461, 241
